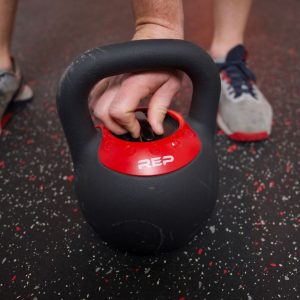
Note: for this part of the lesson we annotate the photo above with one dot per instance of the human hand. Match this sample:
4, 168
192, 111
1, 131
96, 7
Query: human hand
115, 99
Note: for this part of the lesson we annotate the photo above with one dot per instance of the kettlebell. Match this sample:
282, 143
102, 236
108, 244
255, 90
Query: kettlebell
153, 194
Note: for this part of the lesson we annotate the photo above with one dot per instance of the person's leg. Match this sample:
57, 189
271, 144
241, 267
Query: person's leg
244, 113
7, 17
12, 88
230, 20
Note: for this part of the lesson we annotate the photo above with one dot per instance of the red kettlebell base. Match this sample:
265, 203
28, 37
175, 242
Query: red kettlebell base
150, 158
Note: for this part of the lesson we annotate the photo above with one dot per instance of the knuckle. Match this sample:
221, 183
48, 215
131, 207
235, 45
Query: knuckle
134, 79
99, 112
159, 108
122, 116
174, 82
137, 81
116, 112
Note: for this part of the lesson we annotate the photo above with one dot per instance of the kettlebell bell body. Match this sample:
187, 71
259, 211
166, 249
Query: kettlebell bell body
152, 196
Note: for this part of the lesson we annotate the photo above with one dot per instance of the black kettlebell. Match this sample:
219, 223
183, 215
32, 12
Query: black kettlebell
149, 195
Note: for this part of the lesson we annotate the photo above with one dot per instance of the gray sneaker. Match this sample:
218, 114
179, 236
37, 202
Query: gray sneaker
12, 89
244, 113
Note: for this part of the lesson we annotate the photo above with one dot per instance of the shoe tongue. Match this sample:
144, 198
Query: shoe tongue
237, 53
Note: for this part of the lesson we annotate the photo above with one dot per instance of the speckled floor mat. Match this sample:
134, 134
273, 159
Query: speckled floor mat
250, 247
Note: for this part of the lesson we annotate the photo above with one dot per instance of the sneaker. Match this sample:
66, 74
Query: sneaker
12, 89
244, 113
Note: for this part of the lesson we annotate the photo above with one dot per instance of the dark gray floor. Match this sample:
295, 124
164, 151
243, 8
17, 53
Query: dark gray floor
249, 249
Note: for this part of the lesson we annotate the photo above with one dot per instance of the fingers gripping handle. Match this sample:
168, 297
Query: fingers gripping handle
143, 55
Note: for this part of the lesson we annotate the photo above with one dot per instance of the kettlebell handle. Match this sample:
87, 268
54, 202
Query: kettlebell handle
142, 55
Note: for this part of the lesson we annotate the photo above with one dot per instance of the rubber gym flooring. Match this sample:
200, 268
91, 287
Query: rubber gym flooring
248, 250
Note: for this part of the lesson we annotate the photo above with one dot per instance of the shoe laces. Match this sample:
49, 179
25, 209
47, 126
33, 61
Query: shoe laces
239, 77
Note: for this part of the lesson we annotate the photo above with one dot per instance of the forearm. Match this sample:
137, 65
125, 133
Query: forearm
158, 18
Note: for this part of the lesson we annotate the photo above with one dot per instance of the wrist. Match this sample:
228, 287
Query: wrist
157, 31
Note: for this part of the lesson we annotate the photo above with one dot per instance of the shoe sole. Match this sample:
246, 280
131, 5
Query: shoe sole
242, 136
25, 94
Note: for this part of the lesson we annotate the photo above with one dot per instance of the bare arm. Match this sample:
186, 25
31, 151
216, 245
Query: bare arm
155, 17
115, 99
